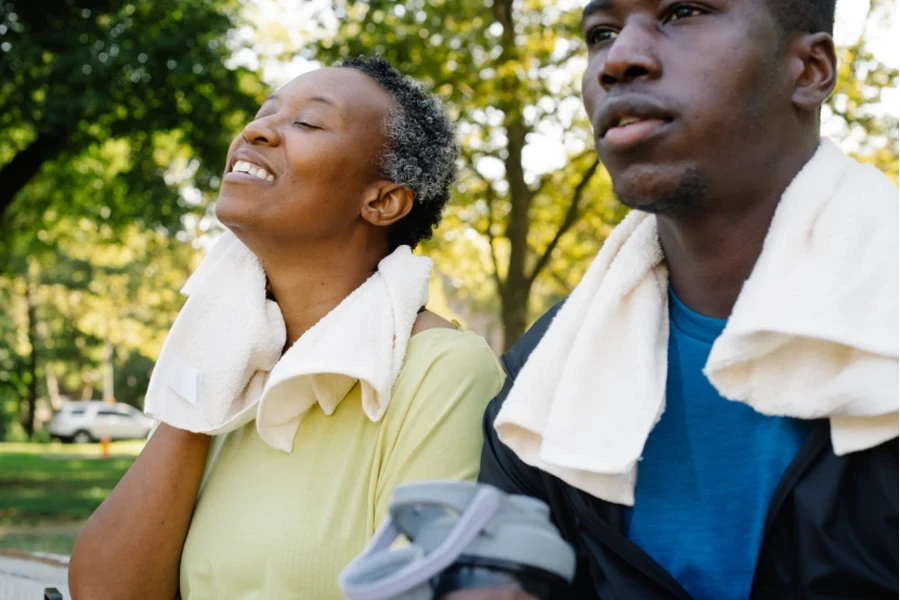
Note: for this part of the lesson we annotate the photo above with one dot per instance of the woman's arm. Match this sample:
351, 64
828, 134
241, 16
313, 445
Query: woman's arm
434, 422
131, 545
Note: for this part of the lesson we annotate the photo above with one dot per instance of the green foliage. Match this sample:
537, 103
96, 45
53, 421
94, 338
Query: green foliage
115, 118
510, 73
91, 285
856, 107
153, 76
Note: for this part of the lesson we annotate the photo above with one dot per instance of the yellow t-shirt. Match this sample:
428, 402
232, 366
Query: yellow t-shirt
276, 526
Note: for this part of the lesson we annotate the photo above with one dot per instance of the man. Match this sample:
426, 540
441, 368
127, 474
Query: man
706, 115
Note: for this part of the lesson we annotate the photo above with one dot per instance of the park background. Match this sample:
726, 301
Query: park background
115, 117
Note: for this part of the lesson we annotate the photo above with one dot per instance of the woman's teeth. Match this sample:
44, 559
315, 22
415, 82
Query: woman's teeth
243, 166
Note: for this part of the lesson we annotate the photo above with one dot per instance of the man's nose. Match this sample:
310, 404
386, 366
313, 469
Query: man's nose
631, 57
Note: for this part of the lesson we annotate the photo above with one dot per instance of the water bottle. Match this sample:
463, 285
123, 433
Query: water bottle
461, 535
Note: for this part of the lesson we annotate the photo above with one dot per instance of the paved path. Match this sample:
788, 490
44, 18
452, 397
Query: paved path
24, 576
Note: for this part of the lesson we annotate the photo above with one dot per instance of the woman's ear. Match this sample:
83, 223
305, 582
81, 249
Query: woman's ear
386, 203
815, 72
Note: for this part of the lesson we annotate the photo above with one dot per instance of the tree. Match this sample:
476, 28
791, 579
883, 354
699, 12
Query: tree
510, 73
854, 112
96, 289
79, 73
115, 118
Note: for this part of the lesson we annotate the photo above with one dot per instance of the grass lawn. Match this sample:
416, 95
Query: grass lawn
48, 490
40, 540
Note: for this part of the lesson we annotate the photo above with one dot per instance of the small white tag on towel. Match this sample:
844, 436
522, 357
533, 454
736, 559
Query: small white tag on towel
184, 380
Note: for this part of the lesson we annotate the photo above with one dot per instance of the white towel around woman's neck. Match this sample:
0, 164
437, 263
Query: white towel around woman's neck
813, 335
222, 366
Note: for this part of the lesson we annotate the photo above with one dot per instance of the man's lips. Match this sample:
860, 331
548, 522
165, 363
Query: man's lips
632, 134
629, 120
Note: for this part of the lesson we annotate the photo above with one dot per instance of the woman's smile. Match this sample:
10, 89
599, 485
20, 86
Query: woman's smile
246, 167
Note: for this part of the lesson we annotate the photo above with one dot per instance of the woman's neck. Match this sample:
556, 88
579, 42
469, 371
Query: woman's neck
310, 287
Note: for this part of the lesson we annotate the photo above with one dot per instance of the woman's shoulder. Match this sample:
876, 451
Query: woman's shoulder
447, 379
443, 358
452, 348
427, 320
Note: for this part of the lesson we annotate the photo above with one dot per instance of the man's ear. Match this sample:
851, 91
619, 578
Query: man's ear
386, 203
814, 70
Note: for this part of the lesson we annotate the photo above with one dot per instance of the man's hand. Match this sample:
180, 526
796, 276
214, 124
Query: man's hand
506, 592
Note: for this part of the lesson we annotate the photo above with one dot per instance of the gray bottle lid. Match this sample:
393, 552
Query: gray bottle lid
444, 520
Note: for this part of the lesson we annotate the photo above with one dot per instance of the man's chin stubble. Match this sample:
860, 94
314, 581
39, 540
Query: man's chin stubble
679, 198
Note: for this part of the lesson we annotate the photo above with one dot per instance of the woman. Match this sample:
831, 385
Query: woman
349, 163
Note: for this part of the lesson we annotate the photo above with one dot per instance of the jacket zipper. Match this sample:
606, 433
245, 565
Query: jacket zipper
630, 552
815, 443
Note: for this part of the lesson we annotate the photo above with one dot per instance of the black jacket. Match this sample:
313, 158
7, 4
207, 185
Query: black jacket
831, 531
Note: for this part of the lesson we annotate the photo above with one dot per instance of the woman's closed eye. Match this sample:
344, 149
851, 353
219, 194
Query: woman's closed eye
306, 125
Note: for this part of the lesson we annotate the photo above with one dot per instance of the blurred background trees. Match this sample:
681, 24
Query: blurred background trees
114, 123
115, 116
511, 72
856, 113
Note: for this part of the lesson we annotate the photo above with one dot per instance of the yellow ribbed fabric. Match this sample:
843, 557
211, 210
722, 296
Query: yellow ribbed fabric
276, 526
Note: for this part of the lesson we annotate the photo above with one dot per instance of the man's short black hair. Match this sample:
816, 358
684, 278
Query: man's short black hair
420, 150
806, 16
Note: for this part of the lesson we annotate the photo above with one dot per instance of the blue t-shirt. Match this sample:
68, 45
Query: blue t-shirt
709, 469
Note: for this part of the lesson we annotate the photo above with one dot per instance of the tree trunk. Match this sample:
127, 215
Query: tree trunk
28, 423
515, 302
18, 172
515, 316
53, 393
87, 385
108, 372
517, 285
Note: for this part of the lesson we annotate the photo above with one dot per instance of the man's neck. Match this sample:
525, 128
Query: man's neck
711, 253
709, 258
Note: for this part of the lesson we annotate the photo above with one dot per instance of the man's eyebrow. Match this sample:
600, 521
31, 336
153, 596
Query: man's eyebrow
271, 98
596, 6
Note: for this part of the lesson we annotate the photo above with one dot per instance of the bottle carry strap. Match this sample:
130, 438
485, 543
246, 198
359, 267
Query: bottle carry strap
383, 574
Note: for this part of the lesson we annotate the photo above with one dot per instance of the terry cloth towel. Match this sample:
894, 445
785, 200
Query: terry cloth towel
813, 335
222, 365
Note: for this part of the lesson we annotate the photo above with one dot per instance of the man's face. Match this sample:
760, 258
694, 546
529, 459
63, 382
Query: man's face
682, 96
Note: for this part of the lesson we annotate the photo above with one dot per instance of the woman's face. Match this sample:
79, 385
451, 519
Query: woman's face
302, 169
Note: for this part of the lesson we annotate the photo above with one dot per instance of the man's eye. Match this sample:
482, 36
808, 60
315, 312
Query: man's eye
305, 125
682, 11
599, 35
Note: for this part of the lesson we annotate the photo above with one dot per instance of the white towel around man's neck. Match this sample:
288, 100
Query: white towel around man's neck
813, 335
222, 366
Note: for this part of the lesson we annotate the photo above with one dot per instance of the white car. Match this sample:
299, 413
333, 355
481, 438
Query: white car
90, 421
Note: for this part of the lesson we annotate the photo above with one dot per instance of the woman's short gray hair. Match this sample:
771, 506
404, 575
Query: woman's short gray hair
420, 152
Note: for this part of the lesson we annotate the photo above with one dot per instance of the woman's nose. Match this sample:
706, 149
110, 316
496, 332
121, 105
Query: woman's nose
261, 131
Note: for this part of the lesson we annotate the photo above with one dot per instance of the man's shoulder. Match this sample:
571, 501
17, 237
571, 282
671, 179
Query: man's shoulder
514, 359
499, 464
